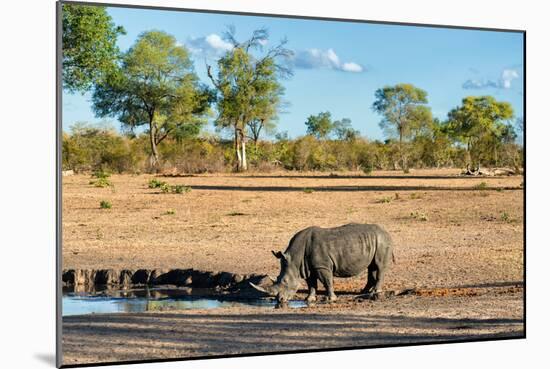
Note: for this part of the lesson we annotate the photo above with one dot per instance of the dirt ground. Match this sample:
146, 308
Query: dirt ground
449, 231
493, 314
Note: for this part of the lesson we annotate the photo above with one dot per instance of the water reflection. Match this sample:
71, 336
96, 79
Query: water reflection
99, 301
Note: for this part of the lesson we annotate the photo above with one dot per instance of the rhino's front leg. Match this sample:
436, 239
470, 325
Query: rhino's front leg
326, 279
312, 286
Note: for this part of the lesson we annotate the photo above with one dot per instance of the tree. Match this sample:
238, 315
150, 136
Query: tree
480, 123
89, 45
156, 87
319, 125
247, 86
431, 146
344, 131
404, 111
266, 112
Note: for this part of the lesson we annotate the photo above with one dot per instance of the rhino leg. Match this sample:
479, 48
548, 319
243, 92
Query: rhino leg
312, 286
371, 280
380, 280
325, 277
382, 261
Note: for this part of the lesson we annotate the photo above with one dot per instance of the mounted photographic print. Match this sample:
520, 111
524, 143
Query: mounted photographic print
235, 184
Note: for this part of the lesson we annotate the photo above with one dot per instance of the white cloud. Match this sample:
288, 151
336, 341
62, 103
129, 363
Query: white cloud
352, 67
208, 46
318, 58
508, 75
218, 43
504, 82
333, 58
476, 84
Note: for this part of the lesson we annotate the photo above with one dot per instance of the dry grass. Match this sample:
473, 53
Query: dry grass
231, 222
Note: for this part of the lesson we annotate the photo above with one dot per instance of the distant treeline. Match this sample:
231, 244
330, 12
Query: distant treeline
89, 148
153, 88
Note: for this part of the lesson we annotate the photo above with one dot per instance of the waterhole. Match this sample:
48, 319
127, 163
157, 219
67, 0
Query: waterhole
155, 299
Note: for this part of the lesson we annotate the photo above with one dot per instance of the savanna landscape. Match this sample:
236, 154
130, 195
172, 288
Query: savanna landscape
201, 176
458, 244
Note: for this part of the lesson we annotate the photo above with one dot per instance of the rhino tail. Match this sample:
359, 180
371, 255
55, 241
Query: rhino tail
393, 256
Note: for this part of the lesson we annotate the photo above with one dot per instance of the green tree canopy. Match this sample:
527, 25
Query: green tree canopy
248, 86
266, 112
155, 87
480, 121
89, 45
344, 131
320, 125
404, 110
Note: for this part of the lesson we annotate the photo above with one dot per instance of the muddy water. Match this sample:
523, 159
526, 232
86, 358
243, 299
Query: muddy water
154, 299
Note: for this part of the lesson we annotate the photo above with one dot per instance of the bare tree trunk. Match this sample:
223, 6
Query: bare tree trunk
237, 150
244, 165
257, 132
154, 158
402, 153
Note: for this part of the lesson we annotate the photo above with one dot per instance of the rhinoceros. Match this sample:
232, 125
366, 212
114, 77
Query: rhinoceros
323, 253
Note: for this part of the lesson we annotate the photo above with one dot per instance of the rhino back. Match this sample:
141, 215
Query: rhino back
347, 250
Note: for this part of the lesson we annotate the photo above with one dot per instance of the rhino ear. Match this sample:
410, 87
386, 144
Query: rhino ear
277, 254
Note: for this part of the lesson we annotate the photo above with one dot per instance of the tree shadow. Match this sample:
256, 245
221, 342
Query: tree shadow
344, 176
182, 334
344, 188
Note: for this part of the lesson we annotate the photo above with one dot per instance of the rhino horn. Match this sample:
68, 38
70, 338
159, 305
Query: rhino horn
261, 289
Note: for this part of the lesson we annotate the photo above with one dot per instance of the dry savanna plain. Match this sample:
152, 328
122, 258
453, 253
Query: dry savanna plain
458, 244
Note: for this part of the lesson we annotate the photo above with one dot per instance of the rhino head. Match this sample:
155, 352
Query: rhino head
286, 284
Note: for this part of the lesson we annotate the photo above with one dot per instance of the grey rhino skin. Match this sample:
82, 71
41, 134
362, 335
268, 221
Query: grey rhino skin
323, 253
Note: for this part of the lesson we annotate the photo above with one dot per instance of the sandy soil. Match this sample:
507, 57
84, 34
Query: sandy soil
195, 333
230, 223
448, 232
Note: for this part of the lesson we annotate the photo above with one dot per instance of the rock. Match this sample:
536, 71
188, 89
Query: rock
224, 279
68, 277
203, 279
156, 276
84, 277
107, 277
178, 277
125, 278
141, 276
237, 278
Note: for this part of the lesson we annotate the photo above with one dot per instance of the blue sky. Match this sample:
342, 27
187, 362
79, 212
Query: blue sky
339, 65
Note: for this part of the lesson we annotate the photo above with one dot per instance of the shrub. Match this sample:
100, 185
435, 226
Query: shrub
100, 147
481, 186
102, 179
181, 189
101, 174
155, 183
105, 204
101, 182
419, 216
165, 188
505, 217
